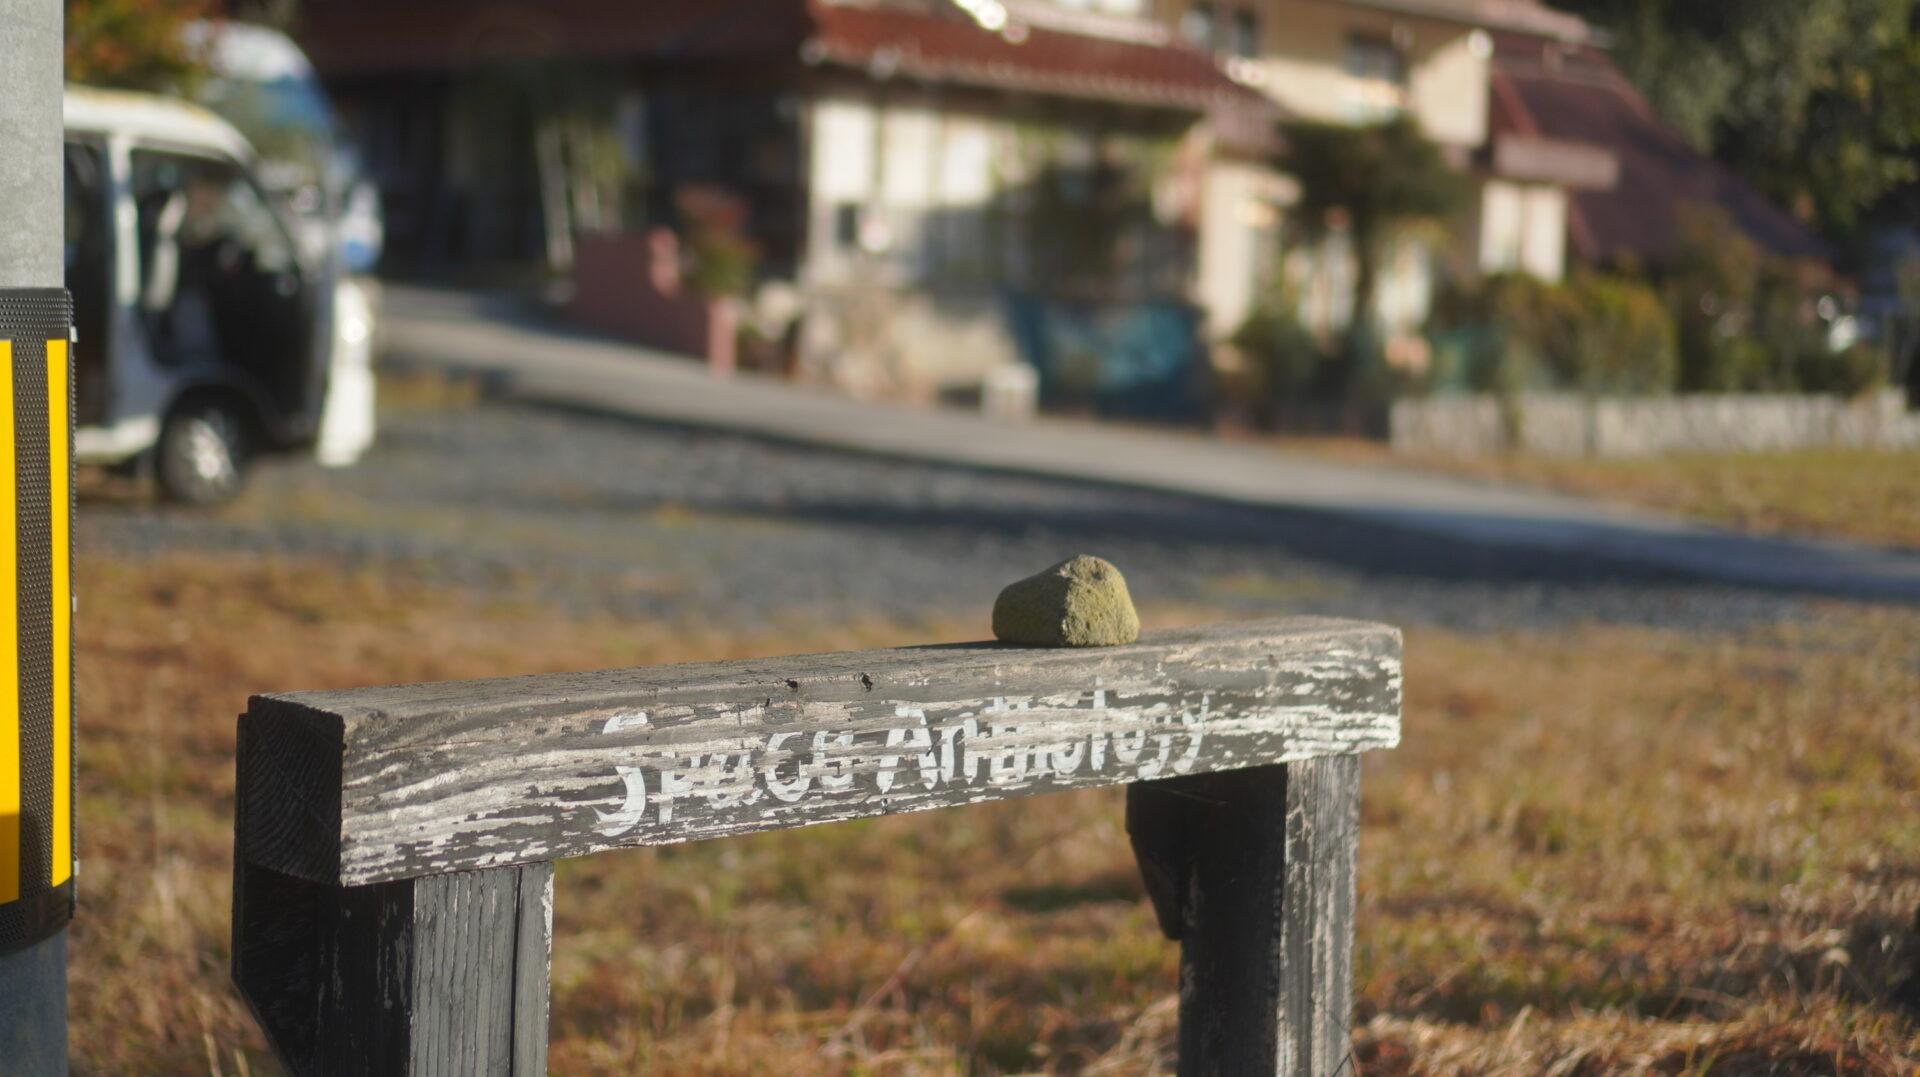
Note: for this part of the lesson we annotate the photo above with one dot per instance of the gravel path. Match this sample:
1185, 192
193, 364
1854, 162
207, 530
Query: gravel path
593, 512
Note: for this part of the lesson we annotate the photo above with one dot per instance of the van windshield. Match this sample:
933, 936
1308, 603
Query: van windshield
206, 237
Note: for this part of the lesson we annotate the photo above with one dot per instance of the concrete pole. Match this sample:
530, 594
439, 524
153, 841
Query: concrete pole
30, 169
33, 976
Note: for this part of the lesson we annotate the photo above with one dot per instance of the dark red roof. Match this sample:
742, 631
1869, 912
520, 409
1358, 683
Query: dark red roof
1578, 95
945, 46
932, 42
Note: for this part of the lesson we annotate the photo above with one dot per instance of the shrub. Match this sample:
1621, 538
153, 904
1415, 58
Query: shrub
1618, 339
1723, 362
1597, 333
720, 258
1282, 357
1849, 372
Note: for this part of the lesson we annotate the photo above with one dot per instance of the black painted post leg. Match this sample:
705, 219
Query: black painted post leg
443, 975
1253, 872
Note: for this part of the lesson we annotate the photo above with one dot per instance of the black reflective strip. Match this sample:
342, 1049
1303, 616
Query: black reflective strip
29, 318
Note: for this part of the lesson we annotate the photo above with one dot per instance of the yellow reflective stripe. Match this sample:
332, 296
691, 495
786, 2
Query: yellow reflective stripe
61, 593
9, 642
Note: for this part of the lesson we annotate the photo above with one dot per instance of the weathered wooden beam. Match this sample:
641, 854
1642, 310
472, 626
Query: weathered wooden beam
378, 784
1253, 871
445, 975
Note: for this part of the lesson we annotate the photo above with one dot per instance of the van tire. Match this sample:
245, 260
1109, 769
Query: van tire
202, 456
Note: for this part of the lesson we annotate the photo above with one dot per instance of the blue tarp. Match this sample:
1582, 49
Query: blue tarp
1137, 360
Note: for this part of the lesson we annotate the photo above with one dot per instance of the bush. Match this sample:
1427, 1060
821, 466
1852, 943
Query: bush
1283, 360
1597, 333
1752, 322
1723, 362
1618, 339
720, 258
1849, 372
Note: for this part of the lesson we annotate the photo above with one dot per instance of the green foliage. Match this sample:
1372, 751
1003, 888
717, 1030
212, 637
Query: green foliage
1281, 358
1723, 317
720, 258
133, 44
1816, 103
1616, 337
1749, 322
1710, 283
1597, 333
1088, 225
1369, 179
1372, 183
1857, 369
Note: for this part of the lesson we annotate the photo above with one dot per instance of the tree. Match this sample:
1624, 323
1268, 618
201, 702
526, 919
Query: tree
1373, 183
133, 44
1818, 104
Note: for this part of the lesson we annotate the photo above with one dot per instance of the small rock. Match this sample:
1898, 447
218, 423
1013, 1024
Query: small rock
1078, 603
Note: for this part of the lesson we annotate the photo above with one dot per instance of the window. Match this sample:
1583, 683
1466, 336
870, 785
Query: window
1243, 34
190, 201
1197, 26
215, 261
846, 225
87, 228
1377, 78
1375, 59
89, 251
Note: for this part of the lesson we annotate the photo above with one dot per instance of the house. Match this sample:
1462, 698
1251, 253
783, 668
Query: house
1569, 165
1363, 61
929, 181
1572, 94
934, 189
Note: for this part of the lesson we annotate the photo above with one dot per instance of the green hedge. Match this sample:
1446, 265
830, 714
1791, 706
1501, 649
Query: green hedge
1596, 333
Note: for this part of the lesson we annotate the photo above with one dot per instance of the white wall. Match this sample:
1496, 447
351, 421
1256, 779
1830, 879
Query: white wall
918, 182
1239, 218
1302, 65
1523, 228
1449, 85
841, 172
918, 179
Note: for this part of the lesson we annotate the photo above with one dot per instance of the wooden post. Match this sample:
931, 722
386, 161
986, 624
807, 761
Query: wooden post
393, 845
1253, 872
441, 975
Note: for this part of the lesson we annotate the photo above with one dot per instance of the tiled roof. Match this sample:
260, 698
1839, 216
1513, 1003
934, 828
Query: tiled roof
945, 46
1578, 95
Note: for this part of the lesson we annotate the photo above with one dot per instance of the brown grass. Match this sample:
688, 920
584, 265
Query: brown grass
1606, 850
1854, 494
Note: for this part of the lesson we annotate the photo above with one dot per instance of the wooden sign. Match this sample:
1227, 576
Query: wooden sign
393, 891
370, 785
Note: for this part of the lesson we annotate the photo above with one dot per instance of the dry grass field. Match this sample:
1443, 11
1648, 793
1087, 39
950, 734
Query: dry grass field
1600, 850
1845, 494
1852, 494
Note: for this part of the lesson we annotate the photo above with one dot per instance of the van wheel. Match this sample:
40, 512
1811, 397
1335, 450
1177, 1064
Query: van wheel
202, 455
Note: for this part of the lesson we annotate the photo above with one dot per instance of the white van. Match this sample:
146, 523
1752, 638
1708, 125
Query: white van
204, 337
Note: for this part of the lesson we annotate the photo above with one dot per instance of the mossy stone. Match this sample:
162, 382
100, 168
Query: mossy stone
1081, 602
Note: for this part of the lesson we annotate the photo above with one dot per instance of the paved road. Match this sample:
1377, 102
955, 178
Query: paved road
531, 359
739, 505
597, 513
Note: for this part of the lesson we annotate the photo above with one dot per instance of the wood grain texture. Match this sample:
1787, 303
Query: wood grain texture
379, 784
427, 977
1253, 871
